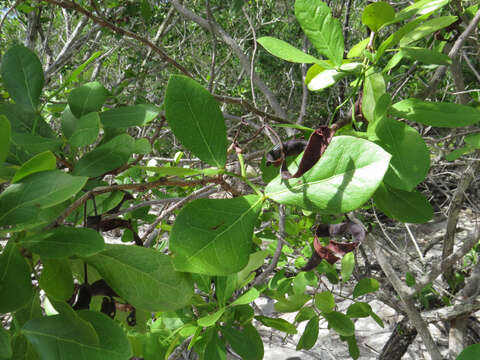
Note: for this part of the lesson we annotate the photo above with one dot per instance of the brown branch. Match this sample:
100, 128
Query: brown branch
67, 4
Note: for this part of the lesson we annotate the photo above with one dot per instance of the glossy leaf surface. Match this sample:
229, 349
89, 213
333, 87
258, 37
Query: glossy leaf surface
377, 14
428, 27
344, 178
126, 116
87, 98
285, 51
214, 236
144, 277
340, 323
85, 130
41, 162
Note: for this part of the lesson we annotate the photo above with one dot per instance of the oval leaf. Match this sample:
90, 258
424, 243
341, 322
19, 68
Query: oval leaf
106, 157
323, 30
85, 130
285, 51
344, 178
427, 28
426, 56
211, 319
310, 335
247, 342
447, 115
5, 347
410, 160
247, 297
56, 279
143, 277
291, 303
196, 120
410, 207
127, 116
23, 76
325, 301
471, 352
377, 14
87, 98
58, 337
15, 282
40, 162
359, 310
21, 202
340, 323
373, 89
365, 286
279, 324
64, 241
213, 236
348, 264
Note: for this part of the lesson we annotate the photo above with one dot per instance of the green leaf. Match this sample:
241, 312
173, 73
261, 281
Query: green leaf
215, 348
377, 14
225, 287
359, 310
344, 178
59, 337
171, 170
146, 10
340, 323
5, 134
348, 264
322, 29
247, 297
210, 319
5, 346
106, 157
305, 313
15, 282
214, 236
471, 352
440, 114
21, 202
285, 51
357, 49
34, 144
325, 301
410, 207
142, 146
365, 286
85, 130
426, 56
353, 349
64, 242
143, 277
56, 279
291, 303
279, 324
309, 336
373, 89
319, 78
421, 7
473, 140
410, 160
41, 162
247, 342
23, 76
255, 260
196, 120
87, 98
126, 116
74, 74
25, 121
427, 28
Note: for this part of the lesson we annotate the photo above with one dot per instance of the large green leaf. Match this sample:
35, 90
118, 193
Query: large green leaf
409, 207
325, 301
41, 162
421, 7
285, 51
25, 121
344, 178
471, 352
106, 157
5, 346
87, 98
56, 279
64, 241
196, 120
365, 286
23, 76
213, 236
22, 201
440, 114
319, 78
215, 346
377, 14
59, 337
34, 144
5, 134
126, 116
144, 277
279, 324
15, 282
426, 56
410, 156
291, 303
85, 130
247, 342
427, 28
323, 30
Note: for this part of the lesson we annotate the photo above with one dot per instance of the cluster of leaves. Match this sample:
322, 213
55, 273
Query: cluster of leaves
204, 287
